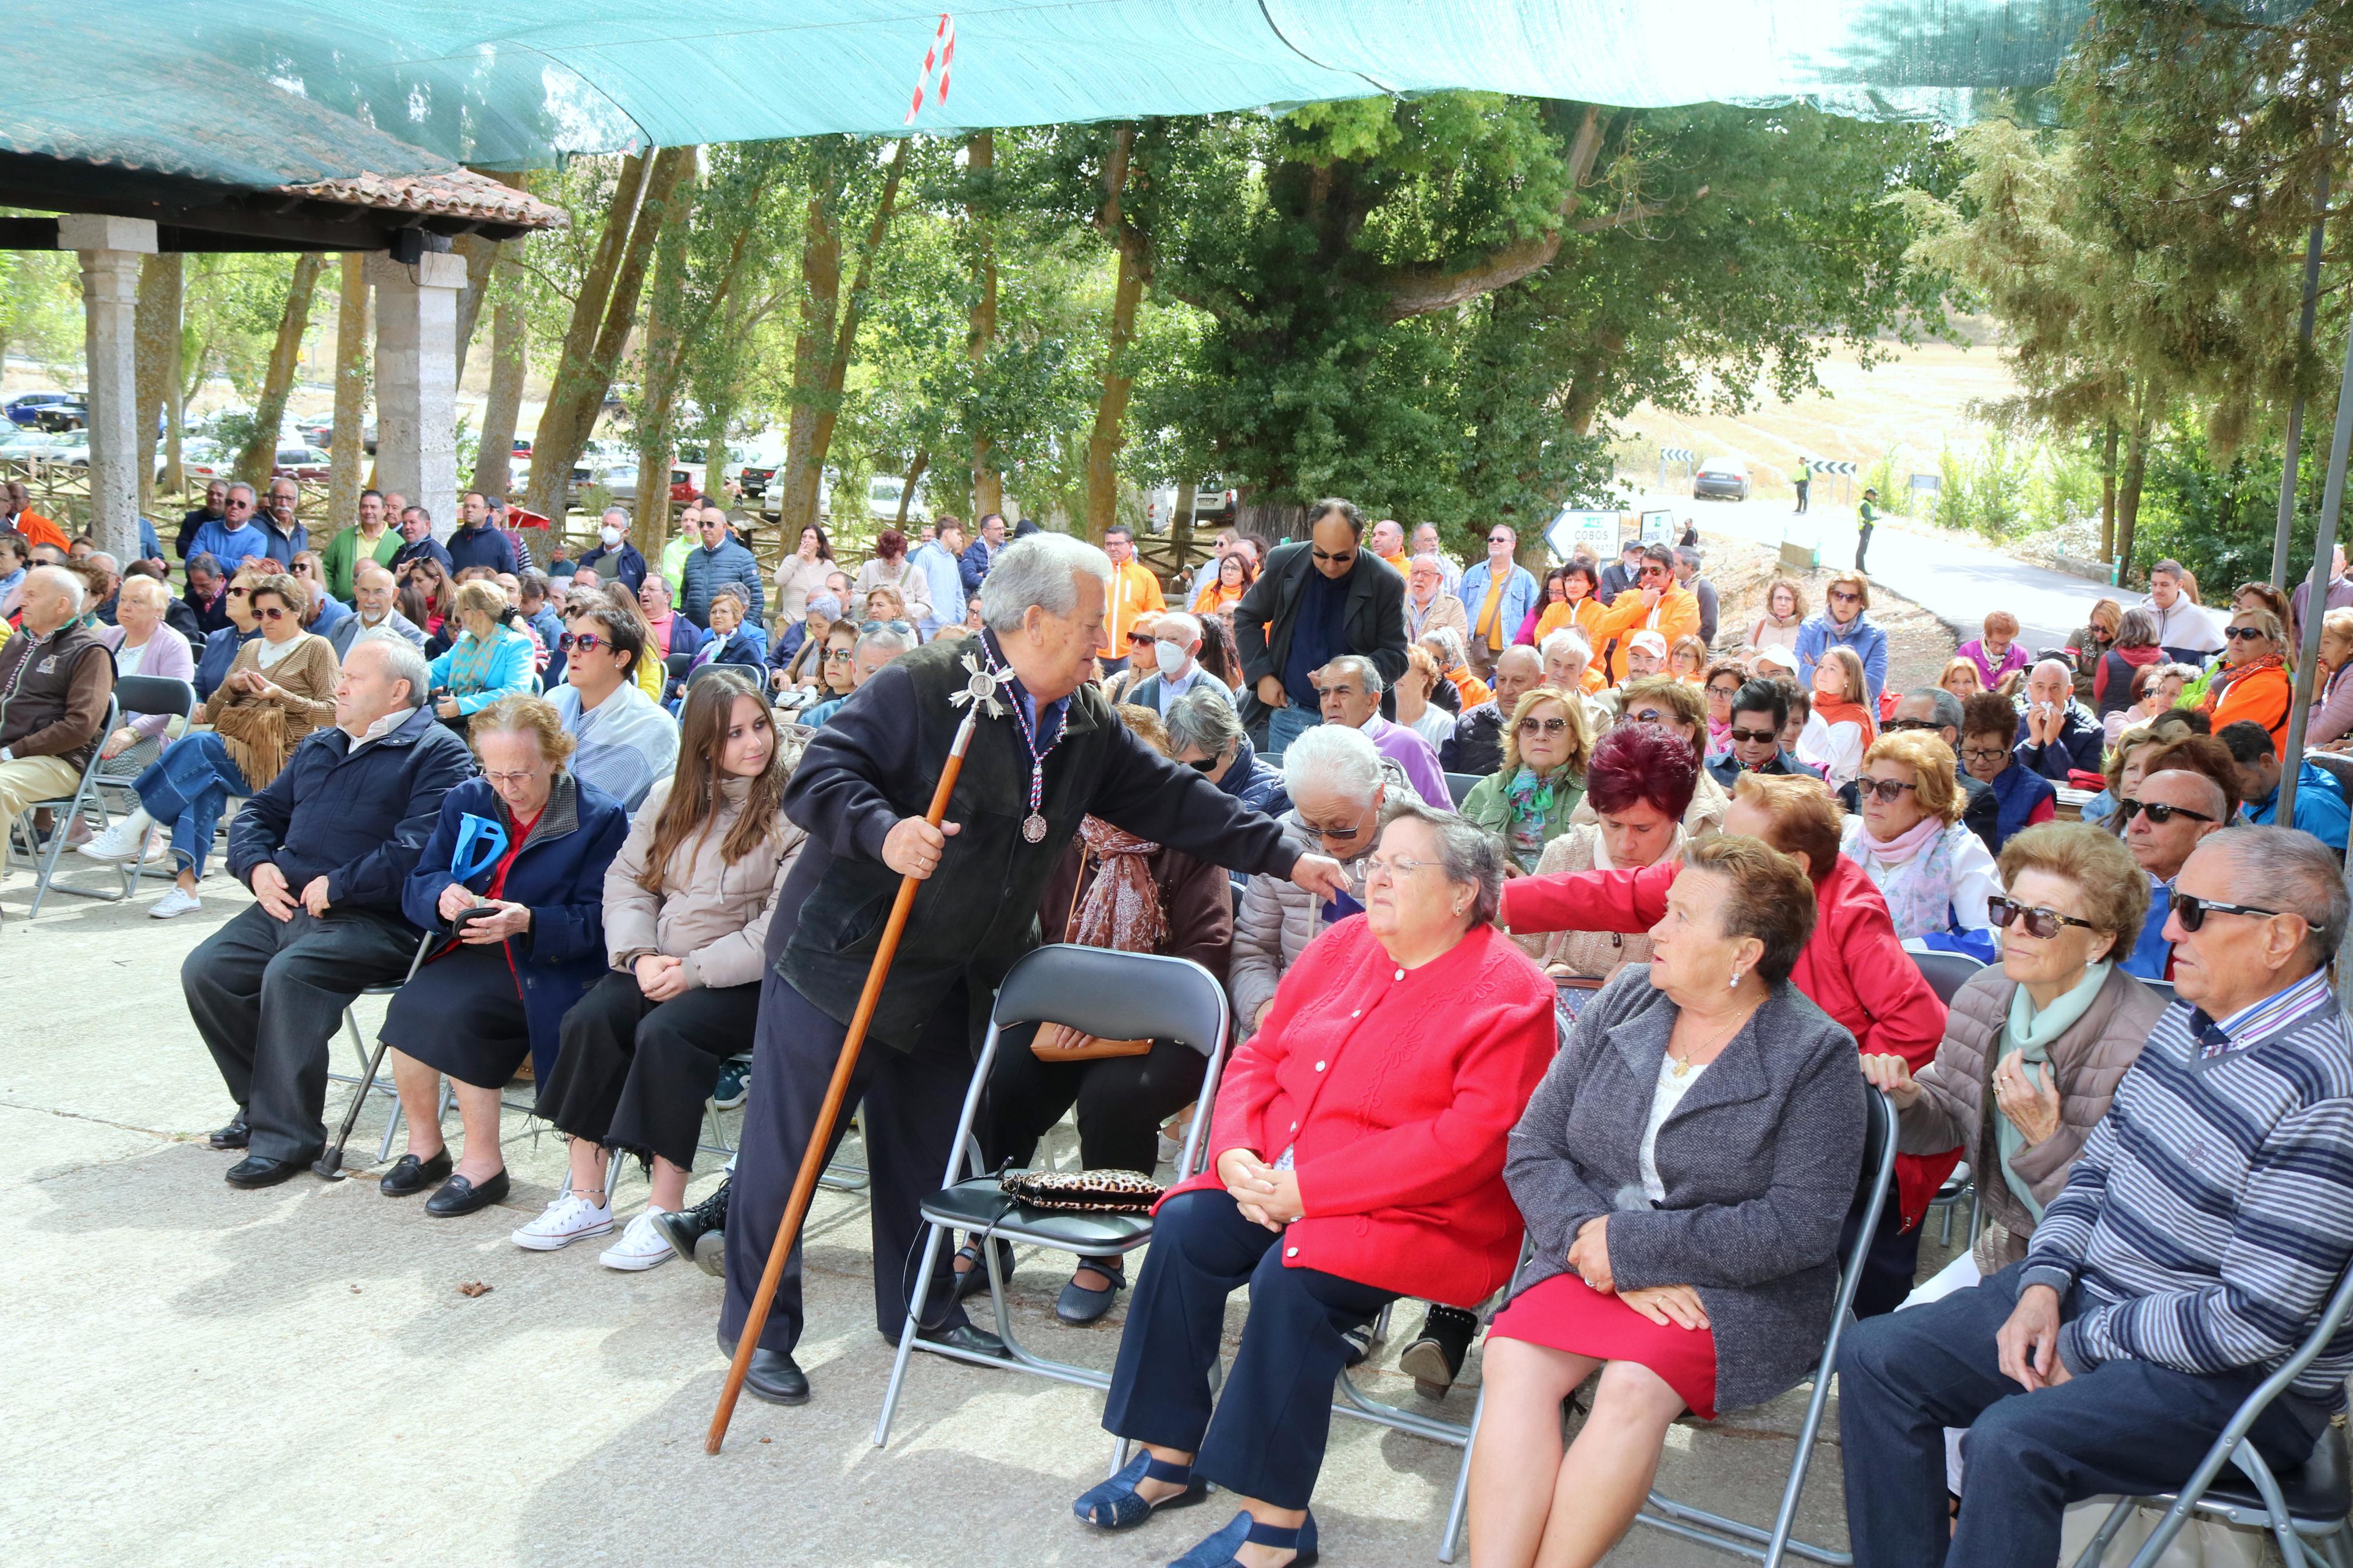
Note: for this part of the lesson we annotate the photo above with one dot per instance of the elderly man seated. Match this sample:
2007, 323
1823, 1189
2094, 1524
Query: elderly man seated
1349, 690
624, 743
2187, 792
1938, 713
55, 676
1342, 793
2193, 1248
2057, 734
378, 595
1478, 743
2320, 808
325, 847
1176, 666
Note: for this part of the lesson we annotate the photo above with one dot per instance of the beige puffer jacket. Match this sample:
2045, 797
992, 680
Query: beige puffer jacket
1278, 919
712, 914
1956, 1105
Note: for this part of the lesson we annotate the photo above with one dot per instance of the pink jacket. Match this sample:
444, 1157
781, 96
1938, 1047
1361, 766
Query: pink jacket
167, 654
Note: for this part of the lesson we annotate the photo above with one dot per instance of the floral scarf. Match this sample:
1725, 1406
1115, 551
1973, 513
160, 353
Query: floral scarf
1913, 872
1122, 909
2226, 676
1531, 801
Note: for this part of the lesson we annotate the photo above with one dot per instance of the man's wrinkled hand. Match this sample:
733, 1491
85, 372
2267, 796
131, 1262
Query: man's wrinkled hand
2027, 1347
1320, 875
914, 847
269, 891
314, 897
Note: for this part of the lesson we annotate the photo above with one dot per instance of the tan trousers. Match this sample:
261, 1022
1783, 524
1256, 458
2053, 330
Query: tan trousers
29, 779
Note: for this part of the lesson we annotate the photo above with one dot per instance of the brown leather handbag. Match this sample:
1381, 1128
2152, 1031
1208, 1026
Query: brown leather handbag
1059, 1042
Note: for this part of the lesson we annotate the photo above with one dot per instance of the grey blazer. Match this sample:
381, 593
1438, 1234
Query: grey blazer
1760, 1162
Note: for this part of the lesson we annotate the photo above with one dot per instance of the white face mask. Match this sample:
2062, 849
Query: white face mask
1170, 657
611, 536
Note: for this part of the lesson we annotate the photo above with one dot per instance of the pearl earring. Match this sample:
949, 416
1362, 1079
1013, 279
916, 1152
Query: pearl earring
1734, 985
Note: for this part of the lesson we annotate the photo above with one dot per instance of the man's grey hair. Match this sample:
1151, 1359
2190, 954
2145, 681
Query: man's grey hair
1468, 855
1689, 555
610, 513
1203, 721
402, 661
656, 580
1331, 757
248, 489
898, 642
1173, 622
2058, 667
63, 582
1560, 640
1363, 668
102, 562
1041, 570
2289, 867
1945, 710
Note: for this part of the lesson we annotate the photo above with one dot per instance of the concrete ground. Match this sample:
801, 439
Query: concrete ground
199, 1374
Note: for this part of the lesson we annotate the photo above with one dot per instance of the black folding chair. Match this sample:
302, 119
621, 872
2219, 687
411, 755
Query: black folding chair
2307, 1504
1113, 996
1732, 1535
1947, 972
1460, 785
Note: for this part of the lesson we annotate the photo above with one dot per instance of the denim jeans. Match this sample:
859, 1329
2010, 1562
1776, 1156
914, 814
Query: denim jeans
1286, 724
186, 787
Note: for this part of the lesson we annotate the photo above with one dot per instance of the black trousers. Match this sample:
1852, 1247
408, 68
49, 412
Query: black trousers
2126, 1426
268, 995
1890, 1264
634, 1074
1861, 543
1121, 1101
1266, 1437
909, 1103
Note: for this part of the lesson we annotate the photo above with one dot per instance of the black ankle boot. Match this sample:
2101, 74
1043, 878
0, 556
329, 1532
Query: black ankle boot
687, 1226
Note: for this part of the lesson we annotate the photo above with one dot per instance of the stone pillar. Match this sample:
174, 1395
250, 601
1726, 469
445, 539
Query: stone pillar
416, 380
111, 250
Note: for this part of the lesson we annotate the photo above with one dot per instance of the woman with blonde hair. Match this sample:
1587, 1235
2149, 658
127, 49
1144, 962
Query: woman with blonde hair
1962, 677
2254, 682
1841, 727
1527, 801
653, 668
2332, 707
1935, 875
489, 659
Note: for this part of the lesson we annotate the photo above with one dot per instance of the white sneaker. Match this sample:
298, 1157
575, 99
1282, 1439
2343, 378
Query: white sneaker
174, 902
120, 842
569, 1218
641, 1246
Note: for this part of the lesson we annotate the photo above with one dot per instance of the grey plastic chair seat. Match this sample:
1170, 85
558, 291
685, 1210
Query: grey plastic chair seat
2317, 1492
1460, 785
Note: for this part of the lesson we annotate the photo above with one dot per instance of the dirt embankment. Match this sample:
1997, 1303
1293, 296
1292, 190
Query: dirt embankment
1918, 646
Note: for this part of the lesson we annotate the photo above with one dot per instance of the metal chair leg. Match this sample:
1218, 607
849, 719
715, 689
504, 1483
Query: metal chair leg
907, 1334
1457, 1511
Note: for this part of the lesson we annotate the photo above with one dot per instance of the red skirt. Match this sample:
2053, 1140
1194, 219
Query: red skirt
1567, 1314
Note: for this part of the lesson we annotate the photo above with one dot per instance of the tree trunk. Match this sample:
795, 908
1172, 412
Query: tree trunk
481, 261
820, 304
255, 463
2129, 496
510, 363
156, 330
657, 371
907, 492
1180, 524
175, 420
814, 421
988, 483
347, 457
1118, 375
576, 391
2108, 492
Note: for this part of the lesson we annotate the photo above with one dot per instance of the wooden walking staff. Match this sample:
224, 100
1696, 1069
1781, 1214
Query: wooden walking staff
979, 692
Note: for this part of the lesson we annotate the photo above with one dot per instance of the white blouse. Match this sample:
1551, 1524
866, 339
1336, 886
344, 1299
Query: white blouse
1664, 1101
1835, 748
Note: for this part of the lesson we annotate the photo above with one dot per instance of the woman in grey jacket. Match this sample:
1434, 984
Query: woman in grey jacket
1683, 1171
687, 906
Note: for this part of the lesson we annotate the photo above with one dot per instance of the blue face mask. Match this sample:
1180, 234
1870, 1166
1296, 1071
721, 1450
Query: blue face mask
480, 843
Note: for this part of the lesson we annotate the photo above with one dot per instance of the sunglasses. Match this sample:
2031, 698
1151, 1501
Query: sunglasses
1138, 640
1204, 764
274, 613
1343, 834
839, 655
586, 642
1890, 790
1501, 539
2244, 634
1902, 726
1655, 572
1648, 716
877, 626
2192, 912
1752, 737
2160, 814
1532, 725
238, 593
240, 505
2043, 923
1846, 599
1337, 558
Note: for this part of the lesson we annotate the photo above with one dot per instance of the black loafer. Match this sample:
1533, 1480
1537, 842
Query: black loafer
236, 1135
772, 1376
1079, 1305
963, 1337
255, 1170
460, 1197
409, 1176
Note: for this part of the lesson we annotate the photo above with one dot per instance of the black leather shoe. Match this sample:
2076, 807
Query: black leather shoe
233, 1136
409, 1176
254, 1171
685, 1229
460, 1197
963, 1337
772, 1375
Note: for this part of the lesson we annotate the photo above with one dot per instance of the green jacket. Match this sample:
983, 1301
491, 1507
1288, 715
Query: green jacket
1489, 807
341, 558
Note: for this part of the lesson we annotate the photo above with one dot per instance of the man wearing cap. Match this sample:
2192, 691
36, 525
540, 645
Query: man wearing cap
1866, 518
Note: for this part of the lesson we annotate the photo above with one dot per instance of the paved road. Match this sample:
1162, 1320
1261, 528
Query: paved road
1954, 579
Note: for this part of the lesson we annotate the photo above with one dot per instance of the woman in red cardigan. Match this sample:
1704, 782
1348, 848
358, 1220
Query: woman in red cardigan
1852, 968
1356, 1155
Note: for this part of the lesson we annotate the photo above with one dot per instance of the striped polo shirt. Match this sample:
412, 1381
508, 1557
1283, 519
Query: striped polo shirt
2211, 1212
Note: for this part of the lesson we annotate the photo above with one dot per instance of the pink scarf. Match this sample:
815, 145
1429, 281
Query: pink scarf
1122, 909
1895, 851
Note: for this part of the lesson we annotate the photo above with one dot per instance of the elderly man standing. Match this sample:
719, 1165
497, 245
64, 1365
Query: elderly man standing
1349, 689
718, 559
1428, 605
378, 612
2207, 1221
372, 538
325, 847
613, 558
862, 791
1477, 744
417, 542
2056, 735
1426, 542
1497, 595
1687, 565
280, 524
1176, 667
237, 538
55, 676
1317, 599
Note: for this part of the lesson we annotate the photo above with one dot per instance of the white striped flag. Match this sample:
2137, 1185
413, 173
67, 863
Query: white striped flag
942, 54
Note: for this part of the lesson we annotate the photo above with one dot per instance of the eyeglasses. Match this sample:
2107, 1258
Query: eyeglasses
2159, 813
1654, 572
1337, 557
274, 613
877, 626
1844, 598
1983, 753
302, 569
1752, 737
239, 505
586, 642
1888, 790
2043, 923
1901, 726
1342, 835
2192, 912
1724, 691
839, 655
1393, 867
1499, 539
510, 781
2244, 634
238, 593
1532, 725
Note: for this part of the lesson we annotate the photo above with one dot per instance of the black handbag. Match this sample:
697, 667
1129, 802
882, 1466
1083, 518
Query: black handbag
1082, 1191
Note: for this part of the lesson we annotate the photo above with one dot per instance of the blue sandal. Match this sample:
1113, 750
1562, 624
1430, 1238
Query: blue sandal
1220, 1550
1117, 1505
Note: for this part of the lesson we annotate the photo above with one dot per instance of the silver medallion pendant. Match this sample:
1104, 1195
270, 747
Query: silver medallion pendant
1033, 828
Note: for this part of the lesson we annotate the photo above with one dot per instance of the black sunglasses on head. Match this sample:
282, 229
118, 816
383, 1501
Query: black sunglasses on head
2192, 912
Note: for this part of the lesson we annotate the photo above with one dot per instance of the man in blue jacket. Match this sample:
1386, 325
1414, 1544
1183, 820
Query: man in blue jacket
325, 848
718, 559
1497, 595
614, 559
235, 539
2320, 808
476, 542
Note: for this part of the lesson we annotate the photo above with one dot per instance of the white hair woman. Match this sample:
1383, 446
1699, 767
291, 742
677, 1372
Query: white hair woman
142, 645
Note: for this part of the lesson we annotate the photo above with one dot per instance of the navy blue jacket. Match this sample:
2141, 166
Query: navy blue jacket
429, 545
485, 546
705, 568
559, 876
358, 821
622, 564
220, 652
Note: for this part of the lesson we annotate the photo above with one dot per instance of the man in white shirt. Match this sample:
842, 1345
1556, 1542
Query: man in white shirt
1176, 669
374, 591
626, 742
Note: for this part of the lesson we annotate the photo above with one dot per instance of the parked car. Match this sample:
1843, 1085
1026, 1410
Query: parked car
1212, 504
1725, 476
304, 465
24, 409
882, 495
67, 414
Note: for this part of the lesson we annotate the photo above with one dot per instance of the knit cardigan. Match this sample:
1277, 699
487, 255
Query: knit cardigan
1394, 1088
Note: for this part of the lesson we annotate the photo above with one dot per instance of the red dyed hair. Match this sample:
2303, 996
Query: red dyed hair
1643, 763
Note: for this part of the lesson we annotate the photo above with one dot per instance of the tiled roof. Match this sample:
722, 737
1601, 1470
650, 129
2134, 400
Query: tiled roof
459, 194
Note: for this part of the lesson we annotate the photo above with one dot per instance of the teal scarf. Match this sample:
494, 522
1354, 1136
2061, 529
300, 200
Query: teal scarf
2029, 1033
1531, 805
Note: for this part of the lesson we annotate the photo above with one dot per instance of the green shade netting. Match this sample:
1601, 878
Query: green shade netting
259, 92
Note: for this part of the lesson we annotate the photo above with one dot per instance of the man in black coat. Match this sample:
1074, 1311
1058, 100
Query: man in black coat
861, 790
326, 847
1316, 599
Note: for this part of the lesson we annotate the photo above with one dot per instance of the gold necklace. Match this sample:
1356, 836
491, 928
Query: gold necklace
1684, 1063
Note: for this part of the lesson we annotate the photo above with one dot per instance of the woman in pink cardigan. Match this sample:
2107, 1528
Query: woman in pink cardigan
1997, 653
1356, 1155
142, 645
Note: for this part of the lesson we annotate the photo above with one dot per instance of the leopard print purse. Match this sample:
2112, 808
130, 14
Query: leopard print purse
1082, 1191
